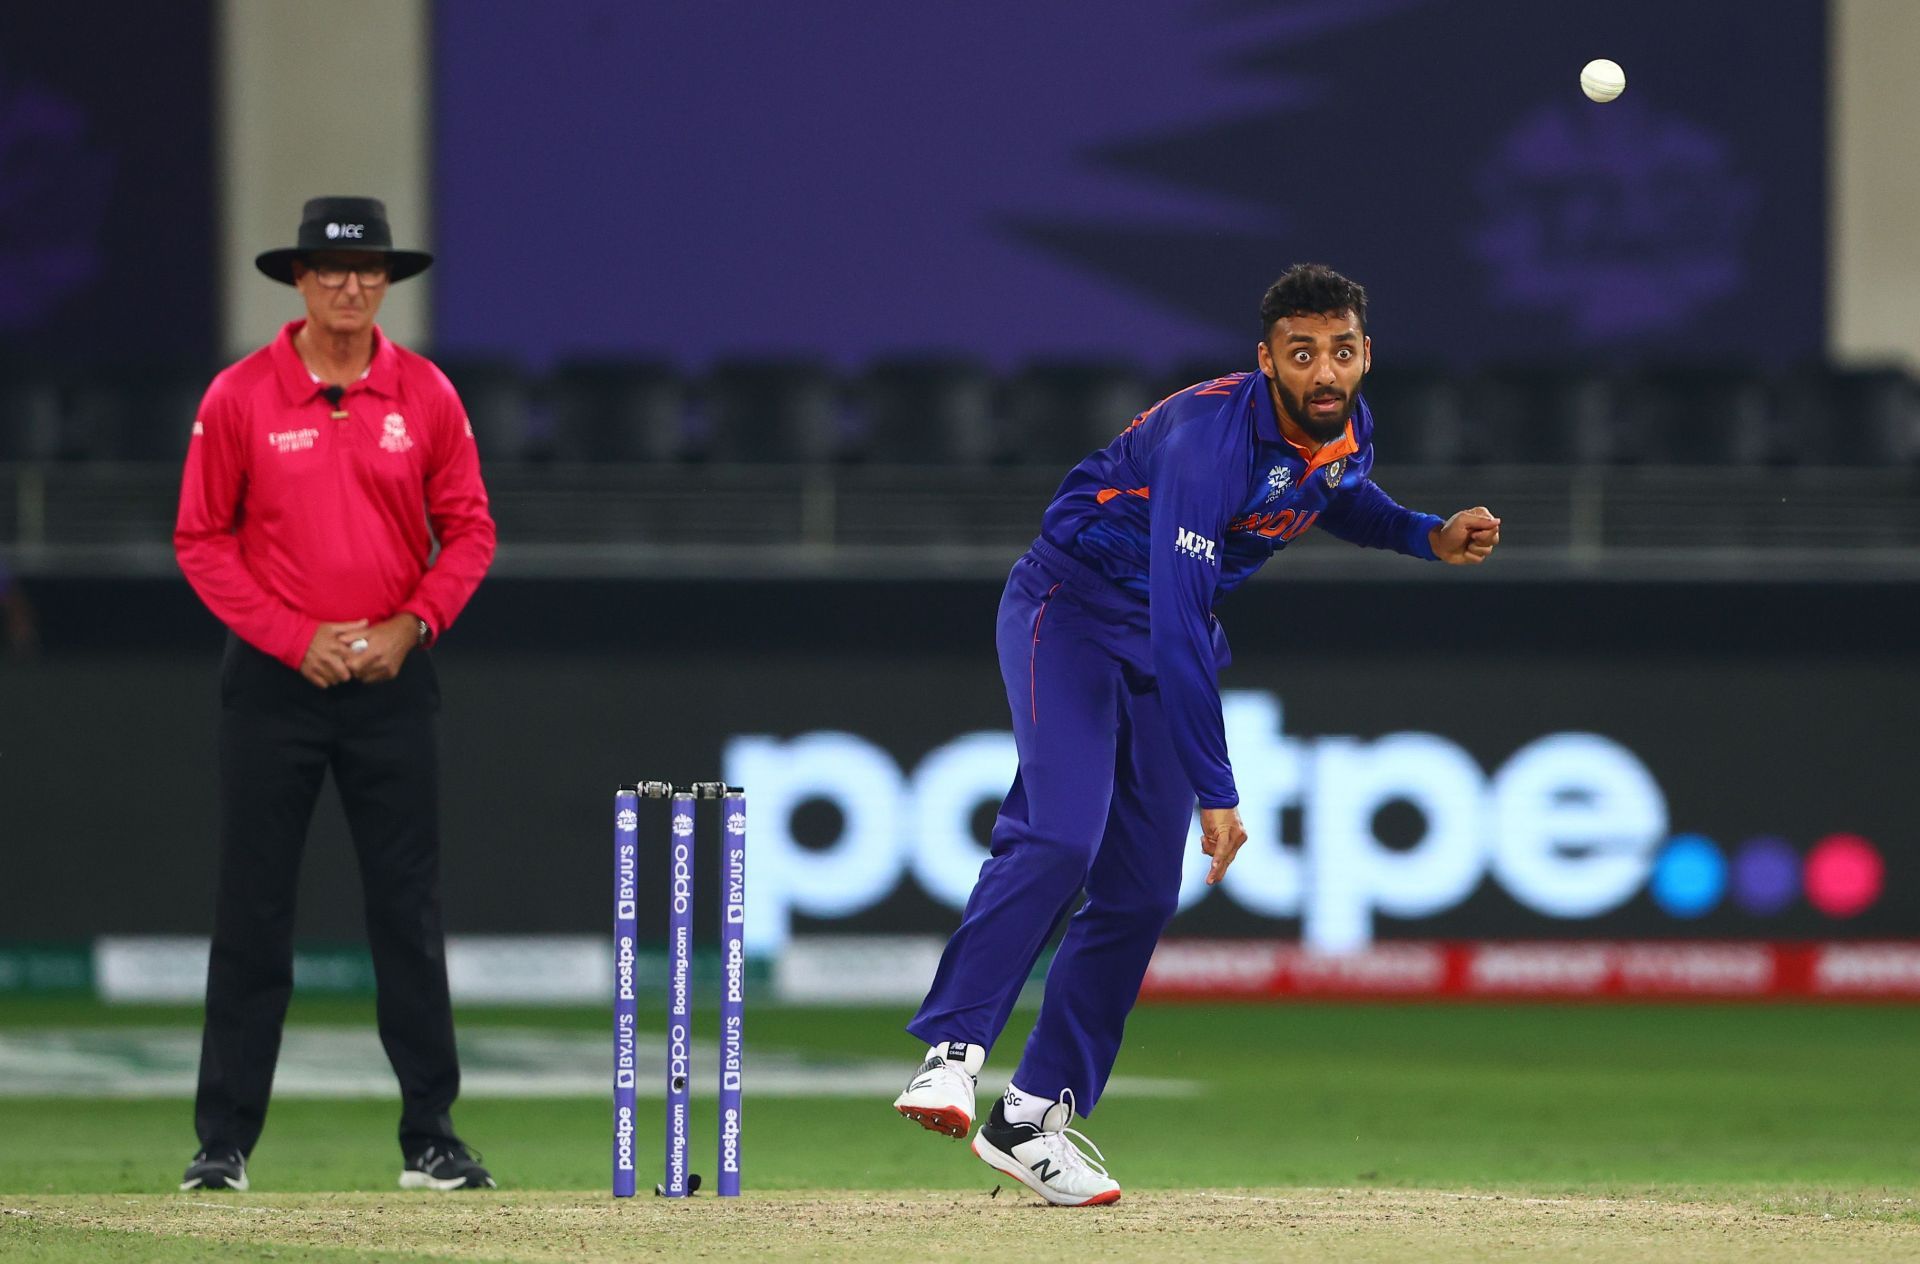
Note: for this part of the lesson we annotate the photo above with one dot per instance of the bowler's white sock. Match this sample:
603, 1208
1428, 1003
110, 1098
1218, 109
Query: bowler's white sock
1022, 1107
959, 1053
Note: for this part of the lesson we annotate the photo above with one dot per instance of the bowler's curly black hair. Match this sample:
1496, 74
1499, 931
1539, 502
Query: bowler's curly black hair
1312, 289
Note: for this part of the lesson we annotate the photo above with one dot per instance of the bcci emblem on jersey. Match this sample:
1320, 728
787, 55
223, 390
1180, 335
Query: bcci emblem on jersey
396, 438
1334, 471
1279, 478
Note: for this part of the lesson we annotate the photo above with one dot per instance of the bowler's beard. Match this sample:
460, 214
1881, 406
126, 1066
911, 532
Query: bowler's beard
1320, 430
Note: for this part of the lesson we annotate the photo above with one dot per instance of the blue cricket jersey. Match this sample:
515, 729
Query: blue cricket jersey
1191, 500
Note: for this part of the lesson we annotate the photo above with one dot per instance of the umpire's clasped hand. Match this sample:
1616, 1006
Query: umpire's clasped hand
327, 661
386, 646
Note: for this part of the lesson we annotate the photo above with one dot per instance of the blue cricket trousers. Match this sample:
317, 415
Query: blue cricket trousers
1100, 803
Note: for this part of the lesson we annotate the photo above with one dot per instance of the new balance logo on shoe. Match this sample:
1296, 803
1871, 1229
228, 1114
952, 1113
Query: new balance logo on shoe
939, 1097
1048, 1158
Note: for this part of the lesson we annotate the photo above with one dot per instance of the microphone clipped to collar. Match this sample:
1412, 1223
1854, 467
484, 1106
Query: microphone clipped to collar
333, 394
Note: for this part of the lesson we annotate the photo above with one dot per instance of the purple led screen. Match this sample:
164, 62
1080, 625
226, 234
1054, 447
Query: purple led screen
107, 221
1008, 180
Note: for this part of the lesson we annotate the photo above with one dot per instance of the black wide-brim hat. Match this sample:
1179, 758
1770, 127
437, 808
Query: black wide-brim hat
344, 223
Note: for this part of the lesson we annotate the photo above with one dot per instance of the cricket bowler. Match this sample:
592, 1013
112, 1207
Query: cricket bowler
1110, 652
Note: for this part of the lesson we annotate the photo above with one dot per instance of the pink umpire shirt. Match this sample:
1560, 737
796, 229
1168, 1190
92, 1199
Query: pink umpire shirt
291, 517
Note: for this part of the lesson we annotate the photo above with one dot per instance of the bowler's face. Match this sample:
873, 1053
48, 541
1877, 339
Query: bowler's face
340, 298
1315, 363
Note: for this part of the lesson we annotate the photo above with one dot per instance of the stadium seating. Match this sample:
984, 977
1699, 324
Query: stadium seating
1059, 410
1698, 415
29, 414
499, 402
926, 411
774, 411
615, 410
1422, 414
1827, 415
946, 412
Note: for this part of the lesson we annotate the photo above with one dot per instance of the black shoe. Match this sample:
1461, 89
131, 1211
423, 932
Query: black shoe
445, 1165
218, 1169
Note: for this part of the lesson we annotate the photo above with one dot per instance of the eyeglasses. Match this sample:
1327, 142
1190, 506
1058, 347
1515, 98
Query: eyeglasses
333, 276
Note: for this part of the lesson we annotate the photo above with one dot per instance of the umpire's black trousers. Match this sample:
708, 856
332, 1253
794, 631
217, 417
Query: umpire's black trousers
278, 736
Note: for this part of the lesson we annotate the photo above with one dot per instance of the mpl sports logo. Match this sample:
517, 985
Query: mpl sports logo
1194, 545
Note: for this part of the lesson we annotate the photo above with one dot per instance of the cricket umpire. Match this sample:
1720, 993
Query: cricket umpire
323, 470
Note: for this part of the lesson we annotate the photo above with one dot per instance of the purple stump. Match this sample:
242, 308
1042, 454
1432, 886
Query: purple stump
733, 964
626, 820
679, 993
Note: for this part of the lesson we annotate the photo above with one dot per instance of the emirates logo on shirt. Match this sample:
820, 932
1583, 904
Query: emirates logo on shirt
396, 439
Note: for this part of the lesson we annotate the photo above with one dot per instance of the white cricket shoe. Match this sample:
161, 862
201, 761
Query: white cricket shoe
939, 1097
1045, 1157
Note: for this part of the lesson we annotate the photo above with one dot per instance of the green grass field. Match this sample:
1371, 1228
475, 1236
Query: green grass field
1335, 1131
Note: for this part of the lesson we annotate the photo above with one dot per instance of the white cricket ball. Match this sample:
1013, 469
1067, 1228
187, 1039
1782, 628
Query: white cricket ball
1602, 80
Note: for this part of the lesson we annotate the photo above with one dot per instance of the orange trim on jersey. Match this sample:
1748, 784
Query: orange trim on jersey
1345, 445
1106, 494
1221, 385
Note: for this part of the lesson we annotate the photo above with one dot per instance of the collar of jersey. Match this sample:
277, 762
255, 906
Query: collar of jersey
1267, 425
298, 385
